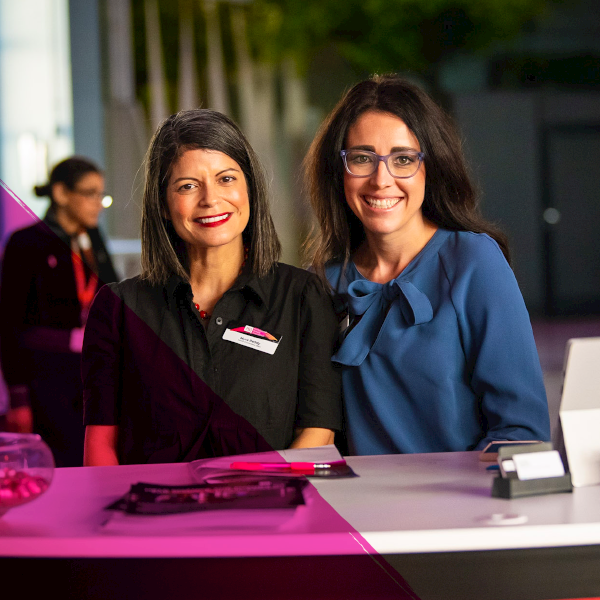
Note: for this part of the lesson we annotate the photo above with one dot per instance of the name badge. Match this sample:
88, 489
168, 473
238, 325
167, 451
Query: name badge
253, 337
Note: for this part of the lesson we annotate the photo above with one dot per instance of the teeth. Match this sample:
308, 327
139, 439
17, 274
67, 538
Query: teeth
381, 202
212, 219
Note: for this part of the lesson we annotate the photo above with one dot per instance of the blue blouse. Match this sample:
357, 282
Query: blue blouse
452, 365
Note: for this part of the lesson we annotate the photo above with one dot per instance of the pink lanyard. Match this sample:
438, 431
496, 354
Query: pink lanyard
85, 291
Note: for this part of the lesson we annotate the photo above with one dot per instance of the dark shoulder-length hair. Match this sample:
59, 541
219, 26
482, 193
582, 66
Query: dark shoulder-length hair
68, 172
450, 200
163, 251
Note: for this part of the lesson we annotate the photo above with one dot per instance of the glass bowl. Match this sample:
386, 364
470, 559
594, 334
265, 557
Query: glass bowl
26, 469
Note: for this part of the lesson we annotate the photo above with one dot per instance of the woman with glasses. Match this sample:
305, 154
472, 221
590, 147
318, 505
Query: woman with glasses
50, 274
216, 349
437, 351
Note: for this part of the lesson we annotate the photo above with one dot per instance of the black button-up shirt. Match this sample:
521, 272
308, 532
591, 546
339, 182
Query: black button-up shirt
179, 391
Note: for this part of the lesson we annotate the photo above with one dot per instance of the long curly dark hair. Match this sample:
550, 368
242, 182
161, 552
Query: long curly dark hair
450, 199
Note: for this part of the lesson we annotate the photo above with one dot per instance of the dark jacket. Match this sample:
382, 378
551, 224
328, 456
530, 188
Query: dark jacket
38, 310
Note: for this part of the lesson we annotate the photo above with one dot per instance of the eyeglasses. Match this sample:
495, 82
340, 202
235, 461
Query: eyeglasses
91, 194
363, 163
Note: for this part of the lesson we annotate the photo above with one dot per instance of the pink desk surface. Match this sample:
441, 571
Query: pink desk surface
69, 521
399, 504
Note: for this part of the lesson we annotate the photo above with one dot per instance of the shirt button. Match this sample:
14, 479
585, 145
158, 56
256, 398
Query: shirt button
219, 321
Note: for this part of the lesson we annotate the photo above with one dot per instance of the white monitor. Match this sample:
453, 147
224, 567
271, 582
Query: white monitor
580, 410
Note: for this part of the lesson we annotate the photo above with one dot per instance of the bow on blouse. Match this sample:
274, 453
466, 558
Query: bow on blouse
371, 300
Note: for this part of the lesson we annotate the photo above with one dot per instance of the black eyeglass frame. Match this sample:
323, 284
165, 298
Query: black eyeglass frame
419, 155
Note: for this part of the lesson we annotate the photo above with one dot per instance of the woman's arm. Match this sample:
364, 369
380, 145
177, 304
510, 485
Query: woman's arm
17, 301
319, 408
19, 419
101, 375
500, 349
311, 437
100, 448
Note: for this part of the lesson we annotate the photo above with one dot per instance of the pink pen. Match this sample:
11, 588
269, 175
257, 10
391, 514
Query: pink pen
305, 467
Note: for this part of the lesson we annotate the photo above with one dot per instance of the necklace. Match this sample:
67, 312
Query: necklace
203, 314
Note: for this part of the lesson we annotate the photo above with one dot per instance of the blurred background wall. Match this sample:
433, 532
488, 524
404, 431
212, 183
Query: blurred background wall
522, 78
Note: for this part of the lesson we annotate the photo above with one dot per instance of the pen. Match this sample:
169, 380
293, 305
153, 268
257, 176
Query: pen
304, 467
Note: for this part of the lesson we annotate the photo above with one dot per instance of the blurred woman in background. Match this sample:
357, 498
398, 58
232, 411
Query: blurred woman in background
216, 349
438, 353
50, 274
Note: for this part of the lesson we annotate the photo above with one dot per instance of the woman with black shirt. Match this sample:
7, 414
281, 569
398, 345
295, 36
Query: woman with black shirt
216, 348
50, 274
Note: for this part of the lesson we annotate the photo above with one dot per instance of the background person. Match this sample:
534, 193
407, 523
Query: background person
216, 348
50, 273
438, 354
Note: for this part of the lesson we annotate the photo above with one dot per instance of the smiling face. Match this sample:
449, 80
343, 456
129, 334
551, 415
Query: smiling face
386, 206
207, 199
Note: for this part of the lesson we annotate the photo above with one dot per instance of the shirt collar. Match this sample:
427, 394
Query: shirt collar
52, 224
177, 286
257, 286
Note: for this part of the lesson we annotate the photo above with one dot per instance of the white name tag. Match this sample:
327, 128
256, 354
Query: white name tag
538, 465
251, 337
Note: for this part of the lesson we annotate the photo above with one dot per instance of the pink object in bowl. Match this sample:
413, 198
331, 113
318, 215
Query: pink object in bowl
26, 469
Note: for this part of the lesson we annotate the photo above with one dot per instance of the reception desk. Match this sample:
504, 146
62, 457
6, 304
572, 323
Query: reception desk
427, 520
